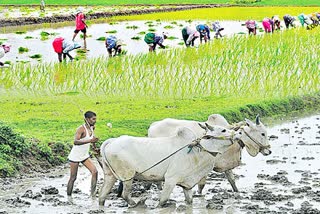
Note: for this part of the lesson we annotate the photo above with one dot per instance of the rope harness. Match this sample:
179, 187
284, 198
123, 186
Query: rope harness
118, 177
261, 147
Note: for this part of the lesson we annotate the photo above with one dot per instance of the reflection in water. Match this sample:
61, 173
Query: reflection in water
124, 31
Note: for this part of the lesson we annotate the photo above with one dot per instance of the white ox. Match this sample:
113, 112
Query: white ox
126, 158
168, 126
227, 161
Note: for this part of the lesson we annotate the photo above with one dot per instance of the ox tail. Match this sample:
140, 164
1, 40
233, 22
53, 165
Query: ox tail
103, 155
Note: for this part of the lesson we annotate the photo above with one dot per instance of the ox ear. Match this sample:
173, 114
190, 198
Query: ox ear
249, 122
202, 126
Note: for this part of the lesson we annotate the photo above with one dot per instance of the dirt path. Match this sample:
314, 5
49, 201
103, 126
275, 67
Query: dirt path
97, 15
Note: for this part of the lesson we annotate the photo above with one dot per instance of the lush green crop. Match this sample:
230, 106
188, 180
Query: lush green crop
223, 13
271, 66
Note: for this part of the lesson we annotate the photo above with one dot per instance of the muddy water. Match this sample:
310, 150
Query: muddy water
97, 48
283, 182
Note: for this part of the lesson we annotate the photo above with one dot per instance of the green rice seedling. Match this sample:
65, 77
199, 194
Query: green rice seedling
142, 33
88, 36
132, 27
43, 38
28, 37
111, 31
23, 49
81, 51
172, 38
174, 23
36, 56
152, 30
151, 25
136, 38
102, 38
44, 33
7, 62
168, 27
181, 43
20, 32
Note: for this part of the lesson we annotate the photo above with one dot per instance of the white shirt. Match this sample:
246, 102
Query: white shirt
80, 153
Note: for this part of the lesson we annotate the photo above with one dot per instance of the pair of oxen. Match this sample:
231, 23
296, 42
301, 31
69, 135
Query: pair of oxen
180, 152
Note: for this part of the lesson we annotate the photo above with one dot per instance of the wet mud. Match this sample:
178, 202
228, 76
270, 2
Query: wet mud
287, 181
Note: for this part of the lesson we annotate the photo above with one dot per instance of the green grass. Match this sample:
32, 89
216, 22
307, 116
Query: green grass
36, 56
23, 50
111, 31
102, 38
111, 2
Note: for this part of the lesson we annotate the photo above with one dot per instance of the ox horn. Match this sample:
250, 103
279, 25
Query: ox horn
209, 127
202, 126
258, 119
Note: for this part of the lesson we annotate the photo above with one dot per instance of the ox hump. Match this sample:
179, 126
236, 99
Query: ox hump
186, 133
217, 119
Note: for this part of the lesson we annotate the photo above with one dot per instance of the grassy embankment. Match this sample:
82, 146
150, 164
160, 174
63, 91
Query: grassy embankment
237, 77
112, 2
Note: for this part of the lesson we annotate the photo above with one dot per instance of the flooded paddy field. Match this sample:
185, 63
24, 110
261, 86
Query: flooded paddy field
287, 181
132, 33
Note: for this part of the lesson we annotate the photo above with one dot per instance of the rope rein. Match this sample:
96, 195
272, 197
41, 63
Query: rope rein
195, 143
118, 177
255, 141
